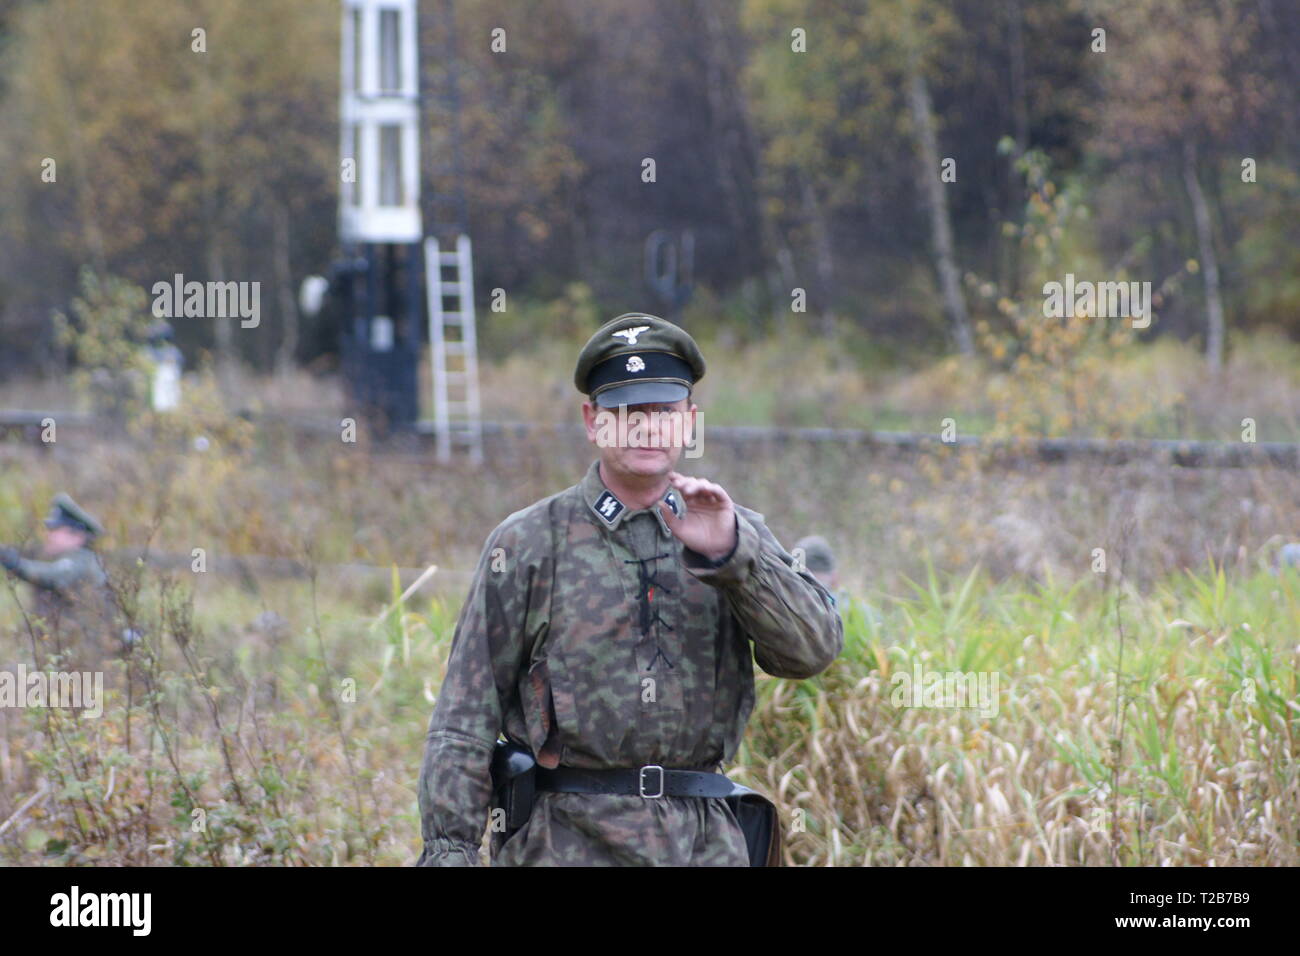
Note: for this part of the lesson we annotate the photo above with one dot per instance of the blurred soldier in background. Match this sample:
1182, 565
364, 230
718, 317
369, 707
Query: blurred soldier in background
71, 603
1289, 557
165, 357
819, 560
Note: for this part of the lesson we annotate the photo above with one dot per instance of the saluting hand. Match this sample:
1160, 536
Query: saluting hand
709, 527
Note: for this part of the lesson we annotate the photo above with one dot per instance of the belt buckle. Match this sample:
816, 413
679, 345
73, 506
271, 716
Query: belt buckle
641, 781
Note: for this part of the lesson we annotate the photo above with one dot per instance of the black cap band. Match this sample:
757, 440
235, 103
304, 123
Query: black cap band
651, 366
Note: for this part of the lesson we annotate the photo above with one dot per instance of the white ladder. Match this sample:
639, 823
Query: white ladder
454, 350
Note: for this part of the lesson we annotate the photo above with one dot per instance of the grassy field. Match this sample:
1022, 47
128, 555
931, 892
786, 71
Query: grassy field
302, 745
1144, 714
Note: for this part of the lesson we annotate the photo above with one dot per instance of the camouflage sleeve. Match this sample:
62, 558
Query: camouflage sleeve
455, 783
788, 615
56, 575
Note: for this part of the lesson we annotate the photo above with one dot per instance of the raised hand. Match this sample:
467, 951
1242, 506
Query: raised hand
709, 527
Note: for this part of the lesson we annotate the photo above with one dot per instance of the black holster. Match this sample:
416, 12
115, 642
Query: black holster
513, 785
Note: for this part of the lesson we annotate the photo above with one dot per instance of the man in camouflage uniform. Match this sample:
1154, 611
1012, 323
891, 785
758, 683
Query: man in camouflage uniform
611, 628
70, 594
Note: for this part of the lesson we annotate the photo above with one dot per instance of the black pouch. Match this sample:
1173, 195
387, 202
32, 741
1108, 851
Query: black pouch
513, 783
761, 824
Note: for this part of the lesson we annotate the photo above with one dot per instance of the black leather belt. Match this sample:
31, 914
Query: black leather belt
650, 781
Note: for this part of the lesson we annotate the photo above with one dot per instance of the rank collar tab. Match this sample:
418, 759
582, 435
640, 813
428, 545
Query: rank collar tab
610, 510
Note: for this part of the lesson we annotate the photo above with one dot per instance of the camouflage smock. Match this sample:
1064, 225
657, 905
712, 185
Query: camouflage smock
599, 642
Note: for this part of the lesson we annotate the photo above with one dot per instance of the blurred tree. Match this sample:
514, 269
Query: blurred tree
1180, 82
828, 117
864, 111
108, 333
798, 139
519, 165
175, 151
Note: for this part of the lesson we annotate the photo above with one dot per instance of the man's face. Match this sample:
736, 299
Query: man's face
63, 539
640, 441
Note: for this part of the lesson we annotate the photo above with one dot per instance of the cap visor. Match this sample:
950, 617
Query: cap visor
641, 393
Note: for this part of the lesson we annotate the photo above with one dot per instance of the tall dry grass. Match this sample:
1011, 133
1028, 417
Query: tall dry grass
302, 746
1208, 774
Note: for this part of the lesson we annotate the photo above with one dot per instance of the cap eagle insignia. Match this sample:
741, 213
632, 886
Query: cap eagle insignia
631, 334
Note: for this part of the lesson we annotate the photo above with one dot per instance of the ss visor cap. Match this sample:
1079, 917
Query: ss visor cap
638, 359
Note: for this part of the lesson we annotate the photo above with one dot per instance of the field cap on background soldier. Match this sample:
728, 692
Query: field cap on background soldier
1289, 556
66, 513
610, 634
71, 599
819, 559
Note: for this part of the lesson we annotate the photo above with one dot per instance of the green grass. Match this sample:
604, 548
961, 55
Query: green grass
313, 775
